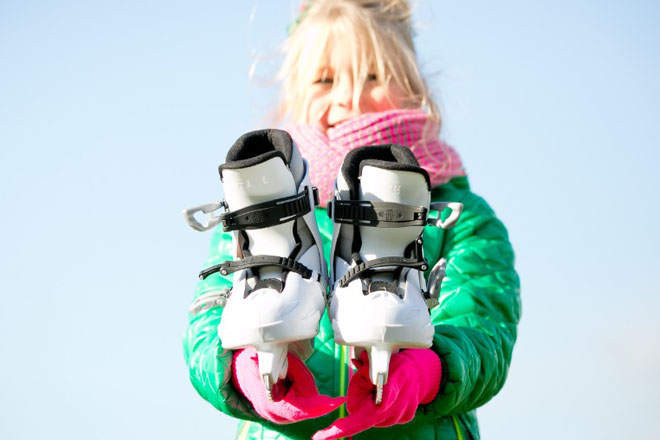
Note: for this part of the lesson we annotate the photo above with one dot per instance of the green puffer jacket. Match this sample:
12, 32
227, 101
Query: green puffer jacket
475, 329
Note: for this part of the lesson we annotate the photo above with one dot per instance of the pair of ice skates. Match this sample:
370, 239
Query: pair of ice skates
378, 298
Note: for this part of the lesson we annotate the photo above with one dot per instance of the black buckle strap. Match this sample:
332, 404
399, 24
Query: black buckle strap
355, 271
417, 261
380, 214
258, 261
271, 213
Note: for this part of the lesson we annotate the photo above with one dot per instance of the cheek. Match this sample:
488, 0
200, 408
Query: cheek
316, 104
380, 98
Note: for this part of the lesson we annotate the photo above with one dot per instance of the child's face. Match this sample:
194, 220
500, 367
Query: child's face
330, 98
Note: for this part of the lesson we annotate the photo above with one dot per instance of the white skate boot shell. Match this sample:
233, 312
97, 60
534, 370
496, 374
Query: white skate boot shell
381, 322
270, 321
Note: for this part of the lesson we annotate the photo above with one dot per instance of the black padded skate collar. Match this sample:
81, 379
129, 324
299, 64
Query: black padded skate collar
389, 157
257, 147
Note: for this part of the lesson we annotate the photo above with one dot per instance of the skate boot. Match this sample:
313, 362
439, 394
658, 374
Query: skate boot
279, 273
379, 300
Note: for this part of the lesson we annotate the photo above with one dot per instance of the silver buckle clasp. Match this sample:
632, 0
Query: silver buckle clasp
434, 282
208, 208
209, 301
456, 210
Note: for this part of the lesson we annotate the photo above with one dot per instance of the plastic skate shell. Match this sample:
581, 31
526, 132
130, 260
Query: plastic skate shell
379, 300
279, 273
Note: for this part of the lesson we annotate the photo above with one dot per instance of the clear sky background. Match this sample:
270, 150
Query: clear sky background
115, 115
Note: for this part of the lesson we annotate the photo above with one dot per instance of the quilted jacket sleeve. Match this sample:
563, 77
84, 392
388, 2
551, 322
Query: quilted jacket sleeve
209, 365
475, 323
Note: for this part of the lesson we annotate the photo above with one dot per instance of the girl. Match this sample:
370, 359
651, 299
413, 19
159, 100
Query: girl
351, 79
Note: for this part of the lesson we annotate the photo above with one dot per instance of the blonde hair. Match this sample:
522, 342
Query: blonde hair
379, 39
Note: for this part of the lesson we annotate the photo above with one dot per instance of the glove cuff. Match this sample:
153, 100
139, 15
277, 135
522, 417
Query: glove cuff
430, 372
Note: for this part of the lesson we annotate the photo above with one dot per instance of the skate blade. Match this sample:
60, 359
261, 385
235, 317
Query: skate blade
273, 365
380, 383
269, 386
379, 364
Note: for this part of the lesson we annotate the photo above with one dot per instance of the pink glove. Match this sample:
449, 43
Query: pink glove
413, 379
295, 398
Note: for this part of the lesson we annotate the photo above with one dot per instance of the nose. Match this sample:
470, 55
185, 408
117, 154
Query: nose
343, 92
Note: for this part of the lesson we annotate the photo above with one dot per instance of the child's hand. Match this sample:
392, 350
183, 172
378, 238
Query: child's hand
295, 398
414, 378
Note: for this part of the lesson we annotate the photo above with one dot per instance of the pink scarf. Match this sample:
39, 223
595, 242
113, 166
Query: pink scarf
325, 152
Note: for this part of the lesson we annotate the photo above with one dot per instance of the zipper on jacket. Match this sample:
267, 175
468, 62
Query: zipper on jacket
343, 367
457, 427
243, 431
460, 421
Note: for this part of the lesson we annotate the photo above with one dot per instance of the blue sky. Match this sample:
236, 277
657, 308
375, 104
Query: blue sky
115, 115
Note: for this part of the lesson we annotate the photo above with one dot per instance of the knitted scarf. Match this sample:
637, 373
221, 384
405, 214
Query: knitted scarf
325, 151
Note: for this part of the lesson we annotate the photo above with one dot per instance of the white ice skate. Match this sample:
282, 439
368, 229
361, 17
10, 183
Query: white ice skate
278, 295
379, 300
